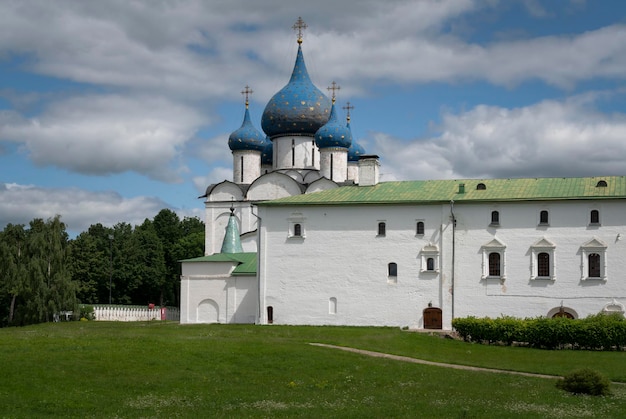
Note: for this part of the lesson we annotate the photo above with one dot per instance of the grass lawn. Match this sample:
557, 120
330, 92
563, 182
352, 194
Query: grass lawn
154, 369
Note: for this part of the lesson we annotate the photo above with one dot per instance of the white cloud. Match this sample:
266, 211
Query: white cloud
19, 204
105, 134
547, 139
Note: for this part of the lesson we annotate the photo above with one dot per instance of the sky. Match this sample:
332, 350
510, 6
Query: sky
113, 110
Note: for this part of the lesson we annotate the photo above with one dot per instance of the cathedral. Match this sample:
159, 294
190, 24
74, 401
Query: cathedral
306, 234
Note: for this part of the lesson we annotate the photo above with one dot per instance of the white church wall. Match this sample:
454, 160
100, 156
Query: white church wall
298, 152
272, 186
518, 294
210, 295
340, 261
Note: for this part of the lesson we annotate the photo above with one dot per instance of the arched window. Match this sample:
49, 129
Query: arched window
494, 264
297, 230
594, 265
393, 269
495, 217
481, 187
543, 264
382, 228
601, 184
594, 217
543, 217
420, 227
430, 264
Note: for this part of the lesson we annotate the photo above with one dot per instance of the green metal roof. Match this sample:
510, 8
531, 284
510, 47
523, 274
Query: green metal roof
246, 266
439, 191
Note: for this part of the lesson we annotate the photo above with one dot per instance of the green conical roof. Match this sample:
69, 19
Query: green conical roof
232, 242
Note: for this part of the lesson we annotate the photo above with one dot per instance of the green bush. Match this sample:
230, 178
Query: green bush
585, 381
602, 331
87, 312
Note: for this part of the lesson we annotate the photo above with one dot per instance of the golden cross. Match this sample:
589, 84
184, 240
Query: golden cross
247, 91
348, 107
299, 26
333, 87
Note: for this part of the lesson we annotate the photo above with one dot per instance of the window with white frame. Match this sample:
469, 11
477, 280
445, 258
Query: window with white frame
542, 264
296, 225
493, 254
429, 258
593, 263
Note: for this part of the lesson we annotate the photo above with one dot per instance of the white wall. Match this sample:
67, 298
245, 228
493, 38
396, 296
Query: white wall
210, 295
341, 257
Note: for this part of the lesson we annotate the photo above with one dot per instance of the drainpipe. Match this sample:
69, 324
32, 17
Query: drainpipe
258, 263
453, 218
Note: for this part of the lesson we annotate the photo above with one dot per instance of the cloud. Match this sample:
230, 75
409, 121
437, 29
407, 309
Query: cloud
19, 204
546, 139
106, 134
198, 50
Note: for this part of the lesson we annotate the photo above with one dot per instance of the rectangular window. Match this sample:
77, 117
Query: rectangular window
594, 265
382, 229
543, 217
494, 264
543, 264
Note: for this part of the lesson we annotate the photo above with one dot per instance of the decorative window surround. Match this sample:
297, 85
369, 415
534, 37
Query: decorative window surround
296, 219
594, 246
430, 251
614, 307
542, 246
494, 246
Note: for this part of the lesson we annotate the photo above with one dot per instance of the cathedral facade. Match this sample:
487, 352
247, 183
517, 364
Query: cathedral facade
305, 233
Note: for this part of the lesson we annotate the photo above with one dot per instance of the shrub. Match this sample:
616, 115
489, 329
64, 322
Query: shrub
585, 381
87, 312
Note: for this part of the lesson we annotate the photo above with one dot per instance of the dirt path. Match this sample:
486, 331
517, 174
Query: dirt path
437, 364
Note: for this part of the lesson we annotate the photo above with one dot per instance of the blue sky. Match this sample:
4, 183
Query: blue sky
111, 111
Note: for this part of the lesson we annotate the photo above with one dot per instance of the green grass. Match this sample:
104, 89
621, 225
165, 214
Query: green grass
100, 369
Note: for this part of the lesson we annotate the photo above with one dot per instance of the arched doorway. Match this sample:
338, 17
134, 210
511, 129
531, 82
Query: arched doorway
432, 318
208, 312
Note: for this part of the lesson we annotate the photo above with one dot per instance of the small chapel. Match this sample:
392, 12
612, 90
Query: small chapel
306, 233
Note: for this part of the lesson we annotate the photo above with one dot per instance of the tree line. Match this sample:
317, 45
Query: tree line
43, 272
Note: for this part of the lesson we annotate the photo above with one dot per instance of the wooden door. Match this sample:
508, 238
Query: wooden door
432, 318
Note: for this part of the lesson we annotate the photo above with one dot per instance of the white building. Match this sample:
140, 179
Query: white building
324, 242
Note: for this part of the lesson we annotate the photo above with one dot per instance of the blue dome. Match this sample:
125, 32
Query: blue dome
246, 137
299, 108
355, 151
334, 133
267, 155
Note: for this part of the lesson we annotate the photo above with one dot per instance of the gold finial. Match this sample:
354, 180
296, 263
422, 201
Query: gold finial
247, 91
333, 87
348, 107
299, 26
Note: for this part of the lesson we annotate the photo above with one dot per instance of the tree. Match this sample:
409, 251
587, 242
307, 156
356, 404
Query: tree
151, 264
12, 268
90, 264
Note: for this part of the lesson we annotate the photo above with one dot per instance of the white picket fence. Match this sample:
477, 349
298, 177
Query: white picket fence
135, 313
